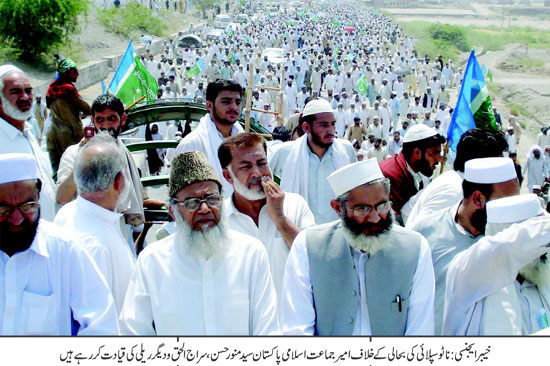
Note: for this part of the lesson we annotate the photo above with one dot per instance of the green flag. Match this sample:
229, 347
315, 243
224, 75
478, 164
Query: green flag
335, 63
229, 30
196, 69
315, 18
362, 85
132, 80
490, 75
335, 23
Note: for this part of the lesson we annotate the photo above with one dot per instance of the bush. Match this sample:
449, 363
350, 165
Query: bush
8, 52
37, 26
133, 18
451, 34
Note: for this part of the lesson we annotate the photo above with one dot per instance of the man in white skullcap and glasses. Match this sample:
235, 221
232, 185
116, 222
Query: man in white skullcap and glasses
501, 284
453, 230
16, 137
49, 284
303, 165
361, 274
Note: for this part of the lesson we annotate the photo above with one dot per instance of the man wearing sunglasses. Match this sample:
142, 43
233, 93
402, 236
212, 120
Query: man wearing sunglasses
204, 279
361, 274
49, 284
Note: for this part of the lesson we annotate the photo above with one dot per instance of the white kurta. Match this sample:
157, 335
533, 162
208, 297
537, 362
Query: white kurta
297, 308
175, 293
54, 280
295, 208
443, 192
13, 140
485, 268
110, 252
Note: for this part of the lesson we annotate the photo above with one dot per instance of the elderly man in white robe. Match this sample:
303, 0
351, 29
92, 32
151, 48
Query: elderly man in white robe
99, 173
17, 106
204, 279
50, 284
361, 274
303, 165
455, 229
501, 285
223, 101
535, 168
259, 207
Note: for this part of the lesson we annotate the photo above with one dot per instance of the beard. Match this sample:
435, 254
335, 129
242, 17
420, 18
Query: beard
537, 272
244, 190
317, 140
114, 132
201, 244
221, 120
479, 220
379, 237
423, 167
14, 242
13, 112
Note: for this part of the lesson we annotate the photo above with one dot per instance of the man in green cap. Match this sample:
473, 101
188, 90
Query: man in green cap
205, 279
66, 105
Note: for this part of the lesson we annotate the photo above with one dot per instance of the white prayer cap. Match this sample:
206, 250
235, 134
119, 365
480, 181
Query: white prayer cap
536, 186
489, 170
317, 106
353, 175
4, 69
513, 209
15, 167
418, 132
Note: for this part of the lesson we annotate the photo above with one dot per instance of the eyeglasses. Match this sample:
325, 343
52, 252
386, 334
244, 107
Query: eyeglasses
364, 210
193, 204
25, 208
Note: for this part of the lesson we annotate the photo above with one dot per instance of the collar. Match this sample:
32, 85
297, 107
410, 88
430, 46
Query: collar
10, 131
417, 177
38, 245
97, 210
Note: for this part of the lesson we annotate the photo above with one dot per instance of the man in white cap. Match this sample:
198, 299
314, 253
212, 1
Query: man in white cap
205, 279
535, 168
409, 170
50, 285
455, 229
15, 137
446, 190
259, 207
224, 102
361, 274
501, 284
303, 165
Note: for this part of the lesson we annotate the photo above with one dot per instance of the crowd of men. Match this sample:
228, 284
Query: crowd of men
303, 237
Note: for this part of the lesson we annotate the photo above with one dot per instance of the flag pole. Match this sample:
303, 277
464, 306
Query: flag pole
445, 151
134, 104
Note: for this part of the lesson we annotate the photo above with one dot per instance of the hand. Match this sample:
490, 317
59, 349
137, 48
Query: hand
152, 203
83, 142
274, 199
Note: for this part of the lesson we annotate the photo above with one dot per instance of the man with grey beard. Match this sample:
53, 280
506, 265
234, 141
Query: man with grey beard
16, 137
204, 279
99, 173
501, 284
258, 206
361, 274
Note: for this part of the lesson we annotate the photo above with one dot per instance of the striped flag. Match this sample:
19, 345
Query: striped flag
132, 80
473, 108
195, 69
362, 85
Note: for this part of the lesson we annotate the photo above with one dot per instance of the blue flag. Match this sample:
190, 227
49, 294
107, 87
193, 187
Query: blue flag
473, 107
103, 87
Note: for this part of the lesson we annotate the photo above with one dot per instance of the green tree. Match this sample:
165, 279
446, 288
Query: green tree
204, 5
37, 26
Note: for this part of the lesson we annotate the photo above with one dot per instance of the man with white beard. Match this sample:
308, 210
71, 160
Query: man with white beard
204, 279
259, 207
15, 137
501, 285
102, 188
352, 276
